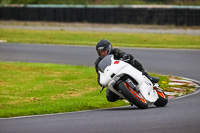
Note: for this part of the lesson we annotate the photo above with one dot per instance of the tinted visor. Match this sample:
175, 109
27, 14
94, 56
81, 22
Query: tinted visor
102, 52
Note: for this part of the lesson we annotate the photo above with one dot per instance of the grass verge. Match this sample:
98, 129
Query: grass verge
91, 38
39, 88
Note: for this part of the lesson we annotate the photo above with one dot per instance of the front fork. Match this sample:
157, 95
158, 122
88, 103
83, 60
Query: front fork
132, 85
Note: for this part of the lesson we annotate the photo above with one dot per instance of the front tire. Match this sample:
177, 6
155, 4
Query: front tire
132, 96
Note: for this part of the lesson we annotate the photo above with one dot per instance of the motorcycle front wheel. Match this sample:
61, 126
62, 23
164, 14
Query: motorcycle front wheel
132, 96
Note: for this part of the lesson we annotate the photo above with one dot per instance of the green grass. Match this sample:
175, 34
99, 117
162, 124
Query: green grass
91, 38
34, 88
39, 88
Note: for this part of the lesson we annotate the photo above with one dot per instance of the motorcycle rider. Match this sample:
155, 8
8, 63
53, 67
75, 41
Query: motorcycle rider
103, 48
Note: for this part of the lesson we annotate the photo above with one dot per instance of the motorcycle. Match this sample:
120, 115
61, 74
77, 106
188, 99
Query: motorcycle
129, 83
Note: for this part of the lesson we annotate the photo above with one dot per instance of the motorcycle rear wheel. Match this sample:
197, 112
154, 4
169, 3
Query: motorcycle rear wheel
162, 100
132, 96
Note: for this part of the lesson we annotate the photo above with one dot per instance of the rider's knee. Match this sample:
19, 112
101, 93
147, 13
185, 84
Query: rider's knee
111, 97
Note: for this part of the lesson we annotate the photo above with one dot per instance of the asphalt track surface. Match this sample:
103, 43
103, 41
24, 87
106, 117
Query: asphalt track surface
181, 115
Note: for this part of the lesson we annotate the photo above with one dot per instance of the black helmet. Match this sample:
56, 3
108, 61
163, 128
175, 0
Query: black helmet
103, 45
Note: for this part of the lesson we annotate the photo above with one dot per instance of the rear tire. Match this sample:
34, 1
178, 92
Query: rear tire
134, 97
162, 100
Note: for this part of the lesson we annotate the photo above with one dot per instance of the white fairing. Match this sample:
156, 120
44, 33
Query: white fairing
120, 67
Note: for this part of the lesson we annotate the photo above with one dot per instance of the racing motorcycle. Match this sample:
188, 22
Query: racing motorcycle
129, 83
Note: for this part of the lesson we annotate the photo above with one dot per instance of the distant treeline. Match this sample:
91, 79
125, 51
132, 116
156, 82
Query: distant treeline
103, 2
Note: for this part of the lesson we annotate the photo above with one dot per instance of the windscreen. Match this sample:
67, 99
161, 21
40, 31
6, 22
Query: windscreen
106, 61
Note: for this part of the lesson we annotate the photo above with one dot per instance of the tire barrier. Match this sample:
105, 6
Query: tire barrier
160, 16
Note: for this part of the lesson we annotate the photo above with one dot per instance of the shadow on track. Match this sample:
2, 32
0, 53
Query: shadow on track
128, 108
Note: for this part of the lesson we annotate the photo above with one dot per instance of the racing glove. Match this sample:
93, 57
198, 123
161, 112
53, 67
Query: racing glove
127, 57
